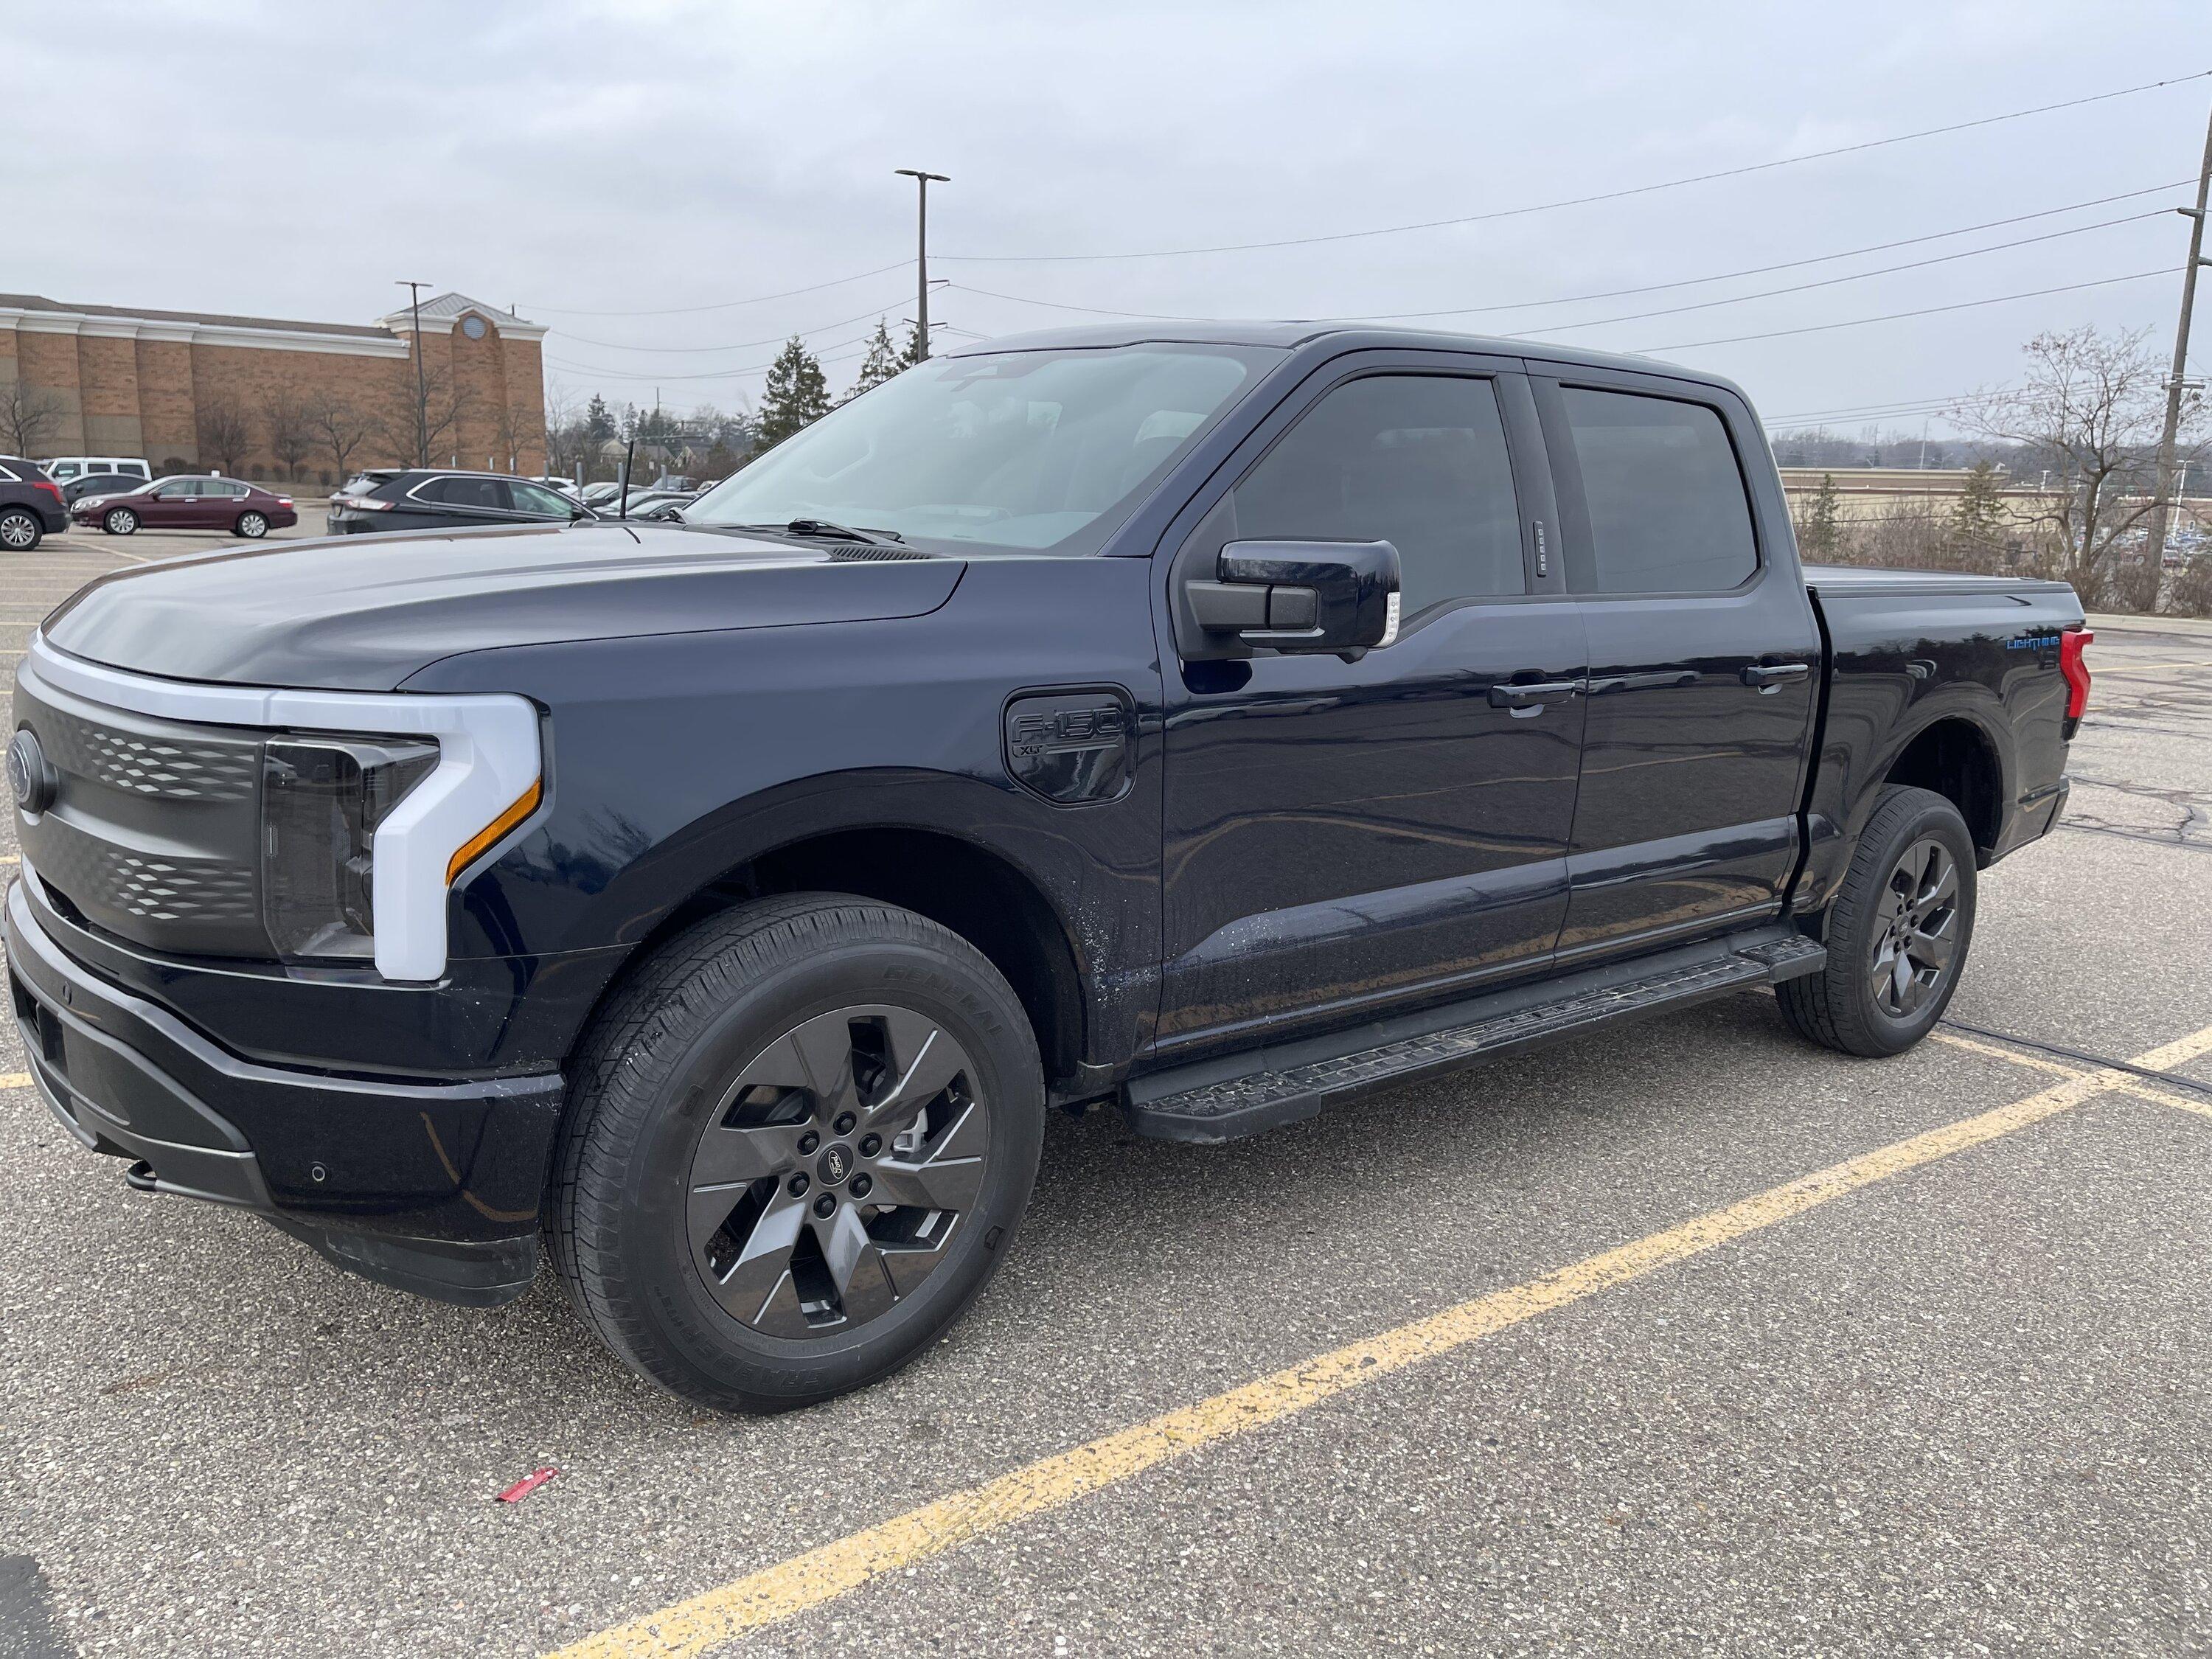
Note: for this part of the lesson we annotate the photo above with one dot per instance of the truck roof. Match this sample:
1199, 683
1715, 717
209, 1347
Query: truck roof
1291, 333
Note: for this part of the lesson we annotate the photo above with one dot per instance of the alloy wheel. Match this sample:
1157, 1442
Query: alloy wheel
253, 526
831, 1178
121, 522
1916, 943
18, 531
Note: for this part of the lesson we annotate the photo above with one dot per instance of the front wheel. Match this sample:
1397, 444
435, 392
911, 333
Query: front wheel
19, 531
119, 521
798, 1142
1898, 931
253, 526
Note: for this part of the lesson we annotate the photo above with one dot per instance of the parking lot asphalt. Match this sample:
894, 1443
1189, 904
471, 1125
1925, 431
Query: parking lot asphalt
1689, 1339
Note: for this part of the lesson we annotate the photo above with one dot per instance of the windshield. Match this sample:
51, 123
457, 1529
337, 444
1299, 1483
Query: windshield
1036, 450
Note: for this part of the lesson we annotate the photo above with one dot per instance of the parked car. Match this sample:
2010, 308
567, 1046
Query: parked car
189, 501
594, 493
100, 483
642, 503
439, 498
66, 469
1302, 711
31, 506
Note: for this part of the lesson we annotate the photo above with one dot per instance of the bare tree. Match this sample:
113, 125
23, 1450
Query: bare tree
340, 426
284, 419
225, 434
27, 418
2089, 409
421, 427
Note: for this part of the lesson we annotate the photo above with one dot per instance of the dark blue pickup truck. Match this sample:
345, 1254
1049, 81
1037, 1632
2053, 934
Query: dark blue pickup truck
1220, 722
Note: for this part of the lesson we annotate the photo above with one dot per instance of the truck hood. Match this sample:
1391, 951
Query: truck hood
361, 613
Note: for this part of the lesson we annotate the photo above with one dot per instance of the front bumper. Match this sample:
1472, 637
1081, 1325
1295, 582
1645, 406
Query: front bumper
432, 1187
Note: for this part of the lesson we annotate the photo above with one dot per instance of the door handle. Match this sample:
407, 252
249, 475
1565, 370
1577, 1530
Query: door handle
1771, 678
1533, 697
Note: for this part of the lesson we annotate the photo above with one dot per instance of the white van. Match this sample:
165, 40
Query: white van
64, 468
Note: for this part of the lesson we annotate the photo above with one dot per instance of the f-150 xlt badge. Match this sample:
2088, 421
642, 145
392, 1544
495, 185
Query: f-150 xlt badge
1070, 746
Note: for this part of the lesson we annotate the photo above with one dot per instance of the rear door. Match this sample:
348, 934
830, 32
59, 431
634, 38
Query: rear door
1342, 836
1704, 658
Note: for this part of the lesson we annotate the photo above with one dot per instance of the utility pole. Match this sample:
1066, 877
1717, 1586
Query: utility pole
421, 385
2171, 432
921, 256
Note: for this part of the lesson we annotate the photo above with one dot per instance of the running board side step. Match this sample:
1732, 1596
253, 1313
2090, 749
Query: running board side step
1227, 1098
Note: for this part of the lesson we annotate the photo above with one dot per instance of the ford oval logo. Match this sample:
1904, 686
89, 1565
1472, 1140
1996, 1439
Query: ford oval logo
28, 775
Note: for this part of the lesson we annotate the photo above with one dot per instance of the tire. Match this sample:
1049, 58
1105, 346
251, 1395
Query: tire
251, 525
1873, 998
19, 531
119, 521
704, 1072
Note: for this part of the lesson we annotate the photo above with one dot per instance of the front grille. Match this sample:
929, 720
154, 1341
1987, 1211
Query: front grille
174, 767
153, 835
100, 879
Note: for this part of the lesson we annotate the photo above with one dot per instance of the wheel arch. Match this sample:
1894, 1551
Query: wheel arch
965, 887
1955, 756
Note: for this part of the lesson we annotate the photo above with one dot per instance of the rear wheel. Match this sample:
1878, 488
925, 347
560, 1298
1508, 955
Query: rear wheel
253, 526
19, 531
1898, 932
119, 521
799, 1142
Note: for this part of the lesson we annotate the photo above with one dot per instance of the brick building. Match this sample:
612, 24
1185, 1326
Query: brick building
179, 387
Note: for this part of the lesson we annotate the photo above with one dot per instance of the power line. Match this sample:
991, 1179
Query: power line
1894, 316
738, 345
826, 355
727, 305
1932, 401
1578, 201
1831, 281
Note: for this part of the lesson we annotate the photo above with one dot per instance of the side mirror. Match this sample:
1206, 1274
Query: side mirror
1305, 597
578, 510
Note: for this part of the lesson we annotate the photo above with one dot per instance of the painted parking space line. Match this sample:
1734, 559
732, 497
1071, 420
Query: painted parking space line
808, 1580
15, 1079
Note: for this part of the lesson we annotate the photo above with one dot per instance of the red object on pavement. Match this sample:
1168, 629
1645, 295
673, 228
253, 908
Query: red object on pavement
529, 1484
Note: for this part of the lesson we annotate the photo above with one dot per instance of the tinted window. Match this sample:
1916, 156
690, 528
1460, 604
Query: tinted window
10, 470
529, 498
478, 493
1666, 501
224, 486
177, 487
1419, 461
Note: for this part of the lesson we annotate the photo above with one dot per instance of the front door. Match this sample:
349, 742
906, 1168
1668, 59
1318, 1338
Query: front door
172, 506
1703, 664
1341, 836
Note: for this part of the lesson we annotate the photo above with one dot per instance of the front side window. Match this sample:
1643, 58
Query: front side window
1667, 513
1416, 460
529, 498
1044, 450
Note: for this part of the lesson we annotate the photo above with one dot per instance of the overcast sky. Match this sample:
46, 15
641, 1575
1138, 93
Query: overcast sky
293, 161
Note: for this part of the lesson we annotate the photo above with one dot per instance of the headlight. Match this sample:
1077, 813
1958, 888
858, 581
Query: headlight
322, 801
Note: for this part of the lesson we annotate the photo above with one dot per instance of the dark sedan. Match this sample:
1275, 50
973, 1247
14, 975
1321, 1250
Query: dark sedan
100, 483
424, 498
188, 502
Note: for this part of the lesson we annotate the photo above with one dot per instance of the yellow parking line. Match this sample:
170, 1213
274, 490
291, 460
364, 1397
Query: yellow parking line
2121, 1081
793, 1586
15, 1079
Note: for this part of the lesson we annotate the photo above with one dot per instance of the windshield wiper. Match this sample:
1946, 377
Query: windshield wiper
822, 529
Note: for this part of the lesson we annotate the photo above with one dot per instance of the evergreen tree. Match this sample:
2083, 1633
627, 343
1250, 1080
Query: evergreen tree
1822, 532
797, 395
1978, 516
599, 420
882, 363
912, 354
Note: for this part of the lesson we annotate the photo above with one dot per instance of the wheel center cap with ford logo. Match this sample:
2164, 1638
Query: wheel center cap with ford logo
838, 1161
28, 775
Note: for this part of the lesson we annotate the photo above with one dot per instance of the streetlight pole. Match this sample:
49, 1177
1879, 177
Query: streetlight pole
2171, 432
421, 385
921, 257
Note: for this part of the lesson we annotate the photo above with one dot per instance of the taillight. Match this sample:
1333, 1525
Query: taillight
284, 501
362, 503
50, 487
2076, 671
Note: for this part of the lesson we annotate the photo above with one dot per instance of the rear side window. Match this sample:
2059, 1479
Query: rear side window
1417, 461
529, 498
1667, 513
490, 493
